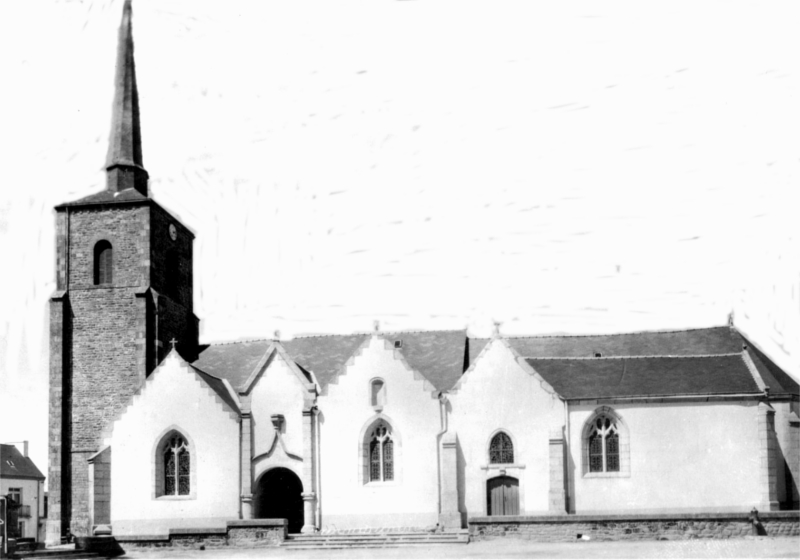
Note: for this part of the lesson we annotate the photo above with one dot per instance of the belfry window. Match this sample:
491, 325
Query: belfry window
501, 450
603, 445
103, 262
177, 467
381, 454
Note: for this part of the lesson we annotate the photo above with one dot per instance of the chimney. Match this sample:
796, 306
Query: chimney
25, 448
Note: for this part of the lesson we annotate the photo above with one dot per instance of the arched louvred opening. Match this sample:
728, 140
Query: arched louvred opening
501, 449
103, 262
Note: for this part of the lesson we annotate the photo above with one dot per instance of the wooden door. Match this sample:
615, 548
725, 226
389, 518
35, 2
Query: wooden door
502, 496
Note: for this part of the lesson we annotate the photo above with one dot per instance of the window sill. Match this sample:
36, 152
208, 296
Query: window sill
498, 466
607, 475
381, 484
176, 498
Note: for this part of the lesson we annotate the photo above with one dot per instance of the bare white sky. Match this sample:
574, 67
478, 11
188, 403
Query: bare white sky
559, 167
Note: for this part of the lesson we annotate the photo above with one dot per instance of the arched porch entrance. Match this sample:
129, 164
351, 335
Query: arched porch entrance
278, 496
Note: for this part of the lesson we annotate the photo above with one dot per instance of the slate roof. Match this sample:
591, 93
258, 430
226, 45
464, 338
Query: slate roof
716, 340
218, 386
778, 381
107, 197
635, 377
14, 465
437, 355
232, 361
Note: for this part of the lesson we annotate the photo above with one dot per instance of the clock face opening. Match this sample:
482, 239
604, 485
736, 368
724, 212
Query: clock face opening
173, 232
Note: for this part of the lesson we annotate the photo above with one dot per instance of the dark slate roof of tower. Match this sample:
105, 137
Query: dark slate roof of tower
591, 378
14, 464
125, 140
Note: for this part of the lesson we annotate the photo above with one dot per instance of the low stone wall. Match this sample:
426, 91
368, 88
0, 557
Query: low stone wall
563, 528
241, 533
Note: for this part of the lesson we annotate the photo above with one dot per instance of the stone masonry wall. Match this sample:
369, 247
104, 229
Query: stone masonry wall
253, 533
638, 527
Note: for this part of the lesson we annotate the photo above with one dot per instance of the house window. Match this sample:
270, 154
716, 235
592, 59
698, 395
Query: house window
15, 494
177, 467
103, 262
377, 393
603, 443
501, 450
381, 454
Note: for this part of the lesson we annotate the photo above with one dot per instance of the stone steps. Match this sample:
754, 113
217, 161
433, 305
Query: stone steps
373, 540
56, 554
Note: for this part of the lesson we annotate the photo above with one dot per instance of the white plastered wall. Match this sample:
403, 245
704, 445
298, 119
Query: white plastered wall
412, 498
32, 496
174, 397
683, 457
277, 391
498, 394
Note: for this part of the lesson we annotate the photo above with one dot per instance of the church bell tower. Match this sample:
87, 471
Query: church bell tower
123, 292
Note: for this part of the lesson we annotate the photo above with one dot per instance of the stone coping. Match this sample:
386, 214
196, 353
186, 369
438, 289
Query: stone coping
216, 530
258, 523
589, 518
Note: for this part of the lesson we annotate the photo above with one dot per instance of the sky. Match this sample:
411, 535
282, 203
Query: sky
581, 167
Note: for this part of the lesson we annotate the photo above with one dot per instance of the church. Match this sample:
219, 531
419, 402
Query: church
149, 429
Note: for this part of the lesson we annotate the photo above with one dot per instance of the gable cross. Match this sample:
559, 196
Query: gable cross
173, 342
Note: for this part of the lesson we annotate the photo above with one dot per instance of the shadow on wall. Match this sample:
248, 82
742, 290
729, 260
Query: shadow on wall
461, 464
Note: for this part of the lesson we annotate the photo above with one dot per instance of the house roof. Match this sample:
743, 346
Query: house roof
716, 340
325, 355
590, 378
14, 465
108, 197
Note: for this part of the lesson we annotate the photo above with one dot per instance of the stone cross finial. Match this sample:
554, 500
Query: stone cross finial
376, 325
496, 330
276, 335
173, 342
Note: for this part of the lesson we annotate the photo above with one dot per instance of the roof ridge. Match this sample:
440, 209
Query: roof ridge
611, 334
726, 354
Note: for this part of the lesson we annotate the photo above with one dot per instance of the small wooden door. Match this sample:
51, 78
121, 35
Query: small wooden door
502, 496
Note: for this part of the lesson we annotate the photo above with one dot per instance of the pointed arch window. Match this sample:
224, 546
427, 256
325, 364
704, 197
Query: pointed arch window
381, 454
177, 467
501, 449
377, 393
103, 262
604, 445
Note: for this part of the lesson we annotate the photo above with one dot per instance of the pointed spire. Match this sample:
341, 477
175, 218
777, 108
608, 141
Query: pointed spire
124, 163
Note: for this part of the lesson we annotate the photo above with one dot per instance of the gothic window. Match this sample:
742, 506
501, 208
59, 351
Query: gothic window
501, 450
103, 262
377, 393
177, 467
381, 454
603, 443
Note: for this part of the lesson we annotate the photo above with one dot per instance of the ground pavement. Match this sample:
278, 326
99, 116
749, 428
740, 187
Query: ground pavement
749, 547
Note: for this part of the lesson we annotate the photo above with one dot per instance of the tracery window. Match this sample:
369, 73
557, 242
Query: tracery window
381, 454
103, 262
501, 450
603, 444
177, 467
